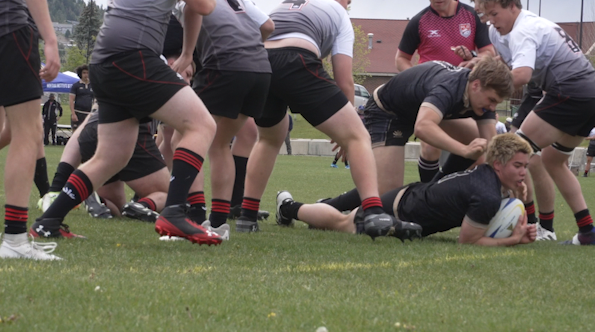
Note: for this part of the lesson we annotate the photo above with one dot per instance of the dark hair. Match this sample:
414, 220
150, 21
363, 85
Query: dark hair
79, 70
504, 3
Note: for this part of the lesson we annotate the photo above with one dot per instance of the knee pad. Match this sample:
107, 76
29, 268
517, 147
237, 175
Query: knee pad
563, 149
536, 149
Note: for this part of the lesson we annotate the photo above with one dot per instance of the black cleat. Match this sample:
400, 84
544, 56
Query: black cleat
245, 225
378, 225
406, 230
139, 212
236, 211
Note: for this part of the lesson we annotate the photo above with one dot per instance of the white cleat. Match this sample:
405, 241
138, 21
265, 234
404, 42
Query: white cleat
171, 238
544, 234
40, 251
222, 231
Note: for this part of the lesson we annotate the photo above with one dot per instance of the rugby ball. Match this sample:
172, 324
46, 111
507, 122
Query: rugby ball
505, 220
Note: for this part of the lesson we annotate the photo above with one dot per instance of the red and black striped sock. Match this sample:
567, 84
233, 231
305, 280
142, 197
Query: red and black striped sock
148, 203
584, 221
186, 165
530, 209
546, 220
250, 208
219, 212
198, 207
372, 205
15, 219
77, 189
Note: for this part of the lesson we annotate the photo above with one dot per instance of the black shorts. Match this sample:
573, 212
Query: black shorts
133, 85
19, 67
145, 160
229, 93
575, 117
81, 117
530, 99
386, 129
300, 82
591, 150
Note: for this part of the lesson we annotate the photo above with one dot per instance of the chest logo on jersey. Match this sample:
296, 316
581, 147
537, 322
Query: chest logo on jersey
433, 33
465, 29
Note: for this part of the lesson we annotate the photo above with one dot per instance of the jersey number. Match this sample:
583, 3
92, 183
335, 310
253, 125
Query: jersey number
571, 44
236, 6
296, 4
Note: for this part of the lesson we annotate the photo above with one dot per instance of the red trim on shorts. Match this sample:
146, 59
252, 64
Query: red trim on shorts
314, 73
144, 74
26, 57
550, 106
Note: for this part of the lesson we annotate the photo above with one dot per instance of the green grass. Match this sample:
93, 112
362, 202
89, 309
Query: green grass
295, 279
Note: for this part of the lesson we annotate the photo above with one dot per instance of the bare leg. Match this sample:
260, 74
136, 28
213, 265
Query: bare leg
323, 216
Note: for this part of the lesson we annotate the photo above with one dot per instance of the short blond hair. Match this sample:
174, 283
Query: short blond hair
503, 147
493, 74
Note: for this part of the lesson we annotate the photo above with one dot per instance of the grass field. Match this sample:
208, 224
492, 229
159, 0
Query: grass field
123, 279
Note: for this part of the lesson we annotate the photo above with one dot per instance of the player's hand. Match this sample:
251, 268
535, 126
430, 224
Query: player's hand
476, 148
463, 52
521, 229
470, 63
341, 153
74, 118
181, 63
52, 62
530, 236
521, 191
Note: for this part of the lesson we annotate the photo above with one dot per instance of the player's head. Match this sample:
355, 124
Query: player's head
509, 154
501, 13
344, 3
440, 5
188, 73
480, 11
490, 82
52, 96
83, 72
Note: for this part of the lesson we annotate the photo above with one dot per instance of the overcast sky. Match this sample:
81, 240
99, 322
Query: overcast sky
554, 10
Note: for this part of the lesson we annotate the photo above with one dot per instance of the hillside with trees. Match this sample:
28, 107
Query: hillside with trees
65, 10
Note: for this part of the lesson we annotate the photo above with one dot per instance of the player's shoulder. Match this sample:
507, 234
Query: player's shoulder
424, 12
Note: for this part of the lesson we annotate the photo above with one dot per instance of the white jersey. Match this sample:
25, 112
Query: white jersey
558, 64
500, 128
324, 23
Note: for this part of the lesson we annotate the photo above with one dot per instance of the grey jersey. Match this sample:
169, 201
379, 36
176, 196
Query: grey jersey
132, 25
13, 16
324, 22
558, 64
230, 40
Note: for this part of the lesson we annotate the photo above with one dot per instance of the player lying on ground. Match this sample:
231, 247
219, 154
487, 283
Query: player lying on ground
468, 199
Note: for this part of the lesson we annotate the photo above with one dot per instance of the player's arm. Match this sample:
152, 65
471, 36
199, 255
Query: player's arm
73, 116
408, 44
427, 129
41, 15
342, 70
487, 129
521, 76
403, 61
266, 25
474, 233
192, 21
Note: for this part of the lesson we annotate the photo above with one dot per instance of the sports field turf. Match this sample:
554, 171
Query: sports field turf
123, 279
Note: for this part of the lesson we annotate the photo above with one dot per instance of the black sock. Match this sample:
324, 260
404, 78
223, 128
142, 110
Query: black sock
62, 173
238, 185
41, 176
198, 207
250, 208
15, 219
186, 165
530, 209
219, 212
546, 220
454, 164
346, 201
584, 221
291, 210
427, 169
77, 189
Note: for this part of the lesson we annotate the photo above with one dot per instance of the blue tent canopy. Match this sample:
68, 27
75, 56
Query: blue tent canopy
62, 83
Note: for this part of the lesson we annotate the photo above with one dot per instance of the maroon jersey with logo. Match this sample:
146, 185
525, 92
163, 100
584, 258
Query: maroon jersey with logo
433, 36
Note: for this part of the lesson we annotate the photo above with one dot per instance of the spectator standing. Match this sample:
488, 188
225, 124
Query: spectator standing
500, 128
81, 98
50, 118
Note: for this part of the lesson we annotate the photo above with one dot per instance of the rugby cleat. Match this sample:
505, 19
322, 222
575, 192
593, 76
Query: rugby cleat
378, 225
96, 208
406, 230
173, 222
140, 212
245, 225
544, 234
283, 198
582, 239
236, 211
52, 228
29, 250
222, 231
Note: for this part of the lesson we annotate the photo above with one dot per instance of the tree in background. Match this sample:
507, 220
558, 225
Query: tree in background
67, 34
74, 58
360, 57
86, 31
62, 11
